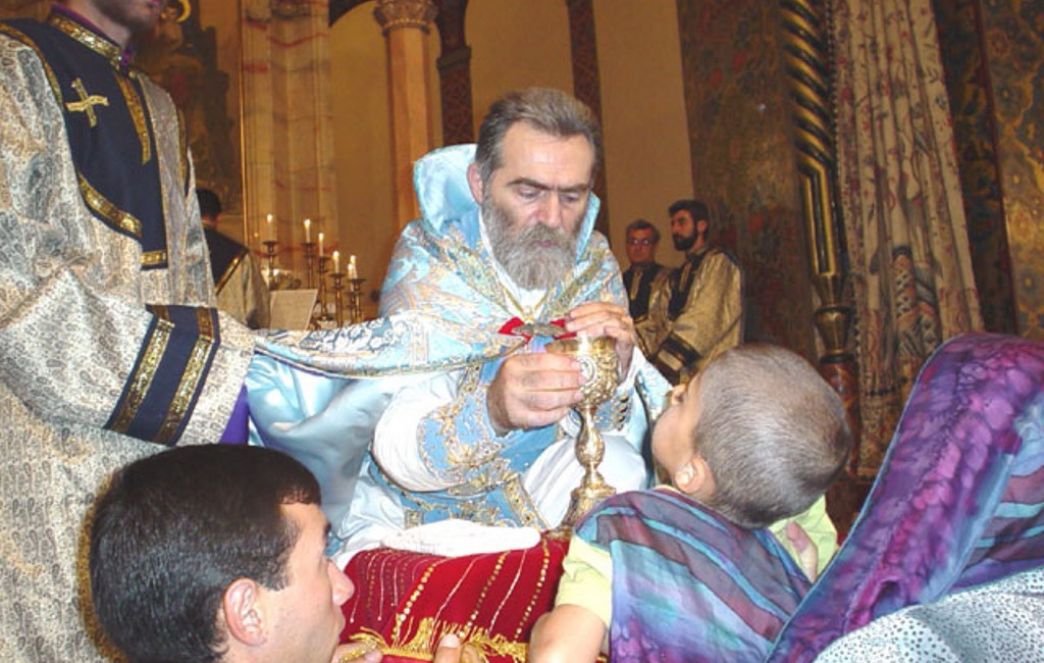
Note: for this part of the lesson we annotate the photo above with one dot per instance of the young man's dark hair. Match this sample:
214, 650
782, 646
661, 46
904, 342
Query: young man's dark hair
164, 548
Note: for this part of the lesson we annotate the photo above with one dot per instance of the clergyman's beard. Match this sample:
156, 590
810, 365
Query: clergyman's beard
522, 254
684, 242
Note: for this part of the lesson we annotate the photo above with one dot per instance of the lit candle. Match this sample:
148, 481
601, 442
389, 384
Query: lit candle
308, 230
353, 271
337, 261
320, 244
268, 228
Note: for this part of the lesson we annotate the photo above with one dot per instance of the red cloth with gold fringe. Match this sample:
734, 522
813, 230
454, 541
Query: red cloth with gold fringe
405, 602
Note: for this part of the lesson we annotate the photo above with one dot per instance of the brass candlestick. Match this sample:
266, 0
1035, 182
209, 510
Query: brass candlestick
338, 288
599, 366
355, 312
309, 253
270, 256
324, 315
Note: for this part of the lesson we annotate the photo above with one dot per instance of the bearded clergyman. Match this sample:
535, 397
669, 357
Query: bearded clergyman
505, 246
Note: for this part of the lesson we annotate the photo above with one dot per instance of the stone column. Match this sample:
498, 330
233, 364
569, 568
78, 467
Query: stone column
587, 84
288, 165
406, 24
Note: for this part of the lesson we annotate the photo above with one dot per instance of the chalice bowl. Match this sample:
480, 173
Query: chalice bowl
598, 366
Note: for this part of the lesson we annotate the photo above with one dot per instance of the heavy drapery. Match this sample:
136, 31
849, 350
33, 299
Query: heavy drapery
900, 199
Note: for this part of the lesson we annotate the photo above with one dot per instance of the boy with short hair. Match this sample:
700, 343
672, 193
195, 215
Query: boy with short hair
691, 572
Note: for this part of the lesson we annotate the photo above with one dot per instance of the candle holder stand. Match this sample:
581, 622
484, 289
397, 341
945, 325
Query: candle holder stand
355, 312
338, 288
309, 253
324, 315
270, 257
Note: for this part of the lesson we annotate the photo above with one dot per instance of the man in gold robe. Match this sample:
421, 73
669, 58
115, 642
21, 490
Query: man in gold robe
239, 286
697, 313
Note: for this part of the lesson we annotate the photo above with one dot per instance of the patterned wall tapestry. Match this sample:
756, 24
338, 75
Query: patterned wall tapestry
1014, 37
974, 128
743, 160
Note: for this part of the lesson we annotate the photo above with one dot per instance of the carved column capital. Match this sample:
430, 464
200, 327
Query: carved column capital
392, 14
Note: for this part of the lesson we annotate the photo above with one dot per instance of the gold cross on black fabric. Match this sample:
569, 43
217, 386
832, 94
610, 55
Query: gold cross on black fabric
86, 103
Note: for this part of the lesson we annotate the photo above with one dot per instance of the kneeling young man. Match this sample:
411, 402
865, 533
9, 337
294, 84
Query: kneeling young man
217, 553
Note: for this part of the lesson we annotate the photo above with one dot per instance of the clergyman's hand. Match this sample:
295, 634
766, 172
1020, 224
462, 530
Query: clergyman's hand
606, 319
533, 390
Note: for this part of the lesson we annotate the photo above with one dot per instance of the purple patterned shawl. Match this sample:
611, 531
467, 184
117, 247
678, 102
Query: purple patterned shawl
959, 500
688, 584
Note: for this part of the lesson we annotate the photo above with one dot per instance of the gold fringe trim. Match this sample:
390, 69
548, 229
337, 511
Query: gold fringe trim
428, 633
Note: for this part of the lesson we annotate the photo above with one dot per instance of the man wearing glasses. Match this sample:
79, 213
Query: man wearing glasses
645, 274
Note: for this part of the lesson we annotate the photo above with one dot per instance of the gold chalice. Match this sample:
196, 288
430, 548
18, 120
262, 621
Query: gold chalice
599, 366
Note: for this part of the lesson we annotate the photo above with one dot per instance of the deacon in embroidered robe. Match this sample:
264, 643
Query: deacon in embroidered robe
644, 274
506, 244
238, 284
109, 347
698, 311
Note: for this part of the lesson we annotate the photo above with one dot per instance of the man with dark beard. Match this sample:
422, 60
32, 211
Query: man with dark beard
506, 243
697, 313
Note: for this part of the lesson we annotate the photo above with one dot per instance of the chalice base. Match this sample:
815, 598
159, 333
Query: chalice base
583, 499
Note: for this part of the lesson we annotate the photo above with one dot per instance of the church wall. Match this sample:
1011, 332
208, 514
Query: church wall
743, 159
643, 108
515, 45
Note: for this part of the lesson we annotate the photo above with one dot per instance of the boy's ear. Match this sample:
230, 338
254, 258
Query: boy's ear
243, 612
694, 478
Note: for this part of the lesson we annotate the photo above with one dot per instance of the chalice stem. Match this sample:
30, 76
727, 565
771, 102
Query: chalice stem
590, 451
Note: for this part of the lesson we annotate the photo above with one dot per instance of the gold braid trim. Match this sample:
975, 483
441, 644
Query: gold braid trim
100, 45
428, 633
103, 207
137, 113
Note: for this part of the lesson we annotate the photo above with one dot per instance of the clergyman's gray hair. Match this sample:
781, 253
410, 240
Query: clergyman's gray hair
772, 431
552, 111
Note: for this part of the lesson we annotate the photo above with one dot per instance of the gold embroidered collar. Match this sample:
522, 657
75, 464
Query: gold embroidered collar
100, 44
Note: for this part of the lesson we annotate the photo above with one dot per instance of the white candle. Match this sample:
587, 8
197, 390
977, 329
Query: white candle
353, 271
320, 244
268, 228
337, 261
308, 230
